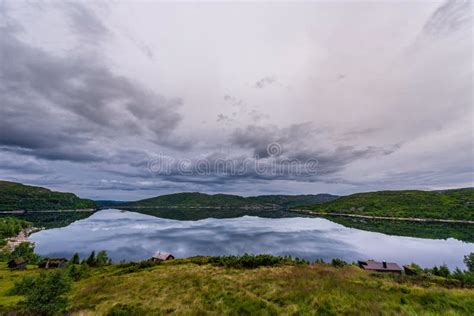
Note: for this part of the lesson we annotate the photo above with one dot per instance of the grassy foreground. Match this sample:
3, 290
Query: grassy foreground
185, 288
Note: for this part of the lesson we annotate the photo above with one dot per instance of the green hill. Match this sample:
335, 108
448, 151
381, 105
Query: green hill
16, 196
293, 200
201, 200
198, 200
447, 204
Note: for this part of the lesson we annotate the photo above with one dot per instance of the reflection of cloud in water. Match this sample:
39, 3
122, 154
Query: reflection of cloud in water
134, 236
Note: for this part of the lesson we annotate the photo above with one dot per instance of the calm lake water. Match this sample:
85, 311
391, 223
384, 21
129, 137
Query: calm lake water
128, 235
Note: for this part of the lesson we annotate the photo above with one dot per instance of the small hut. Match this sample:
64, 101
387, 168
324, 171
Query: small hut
162, 256
409, 270
18, 263
53, 263
372, 265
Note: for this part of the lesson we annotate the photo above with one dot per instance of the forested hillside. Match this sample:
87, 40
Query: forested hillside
447, 204
17, 196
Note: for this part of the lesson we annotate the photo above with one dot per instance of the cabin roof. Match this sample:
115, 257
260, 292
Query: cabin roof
376, 265
162, 255
17, 261
56, 259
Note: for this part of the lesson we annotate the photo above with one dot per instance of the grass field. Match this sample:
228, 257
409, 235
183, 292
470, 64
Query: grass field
185, 288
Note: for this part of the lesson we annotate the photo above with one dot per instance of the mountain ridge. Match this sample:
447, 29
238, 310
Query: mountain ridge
17, 196
443, 204
203, 200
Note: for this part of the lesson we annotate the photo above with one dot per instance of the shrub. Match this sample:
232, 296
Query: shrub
22, 286
416, 268
199, 260
26, 251
253, 261
466, 277
469, 261
75, 259
444, 271
78, 272
91, 259
101, 259
130, 267
338, 263
45, 293
11, 226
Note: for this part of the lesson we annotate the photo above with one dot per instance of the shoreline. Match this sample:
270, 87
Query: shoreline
13, 242
407, 219
252, 208
21, 212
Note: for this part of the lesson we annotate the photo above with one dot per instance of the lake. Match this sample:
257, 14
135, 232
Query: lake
127, 235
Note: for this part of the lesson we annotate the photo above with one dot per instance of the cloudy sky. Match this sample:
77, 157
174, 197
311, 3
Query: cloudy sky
132, 99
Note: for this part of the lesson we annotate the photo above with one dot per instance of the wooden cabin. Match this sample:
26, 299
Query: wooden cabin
53, 263
162, 256
18, 263
409, 270
372, 265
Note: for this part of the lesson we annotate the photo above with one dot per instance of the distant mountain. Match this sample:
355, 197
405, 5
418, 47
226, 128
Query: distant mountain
293, 200
197, 200
201, 200
17, 196
109, 203
446, 204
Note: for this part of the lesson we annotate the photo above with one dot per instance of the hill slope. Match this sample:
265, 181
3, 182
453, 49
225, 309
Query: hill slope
448, 204
293, 200
197, 200
16, 196
201, 200
182, 287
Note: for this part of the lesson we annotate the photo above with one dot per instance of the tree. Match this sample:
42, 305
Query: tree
46, 296
338, 263
102, 258
78, 272
91, 259
26, 251
75, 259
469, 261
444, 271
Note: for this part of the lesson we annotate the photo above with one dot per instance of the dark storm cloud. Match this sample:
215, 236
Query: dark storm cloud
71, 103
59, 108
21, 165
299, 142
298, 159
85, 23
257, 138
83, 87
217, 170
450, 17
65, 152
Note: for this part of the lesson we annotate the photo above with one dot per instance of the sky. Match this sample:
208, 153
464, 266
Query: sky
132, 99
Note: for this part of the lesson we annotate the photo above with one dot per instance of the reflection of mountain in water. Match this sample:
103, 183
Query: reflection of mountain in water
197, 214
135, 236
